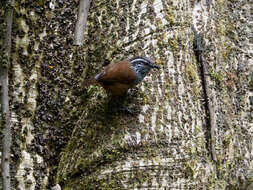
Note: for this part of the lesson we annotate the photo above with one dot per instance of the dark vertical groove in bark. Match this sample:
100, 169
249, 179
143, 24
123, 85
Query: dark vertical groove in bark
5, 120
198, 49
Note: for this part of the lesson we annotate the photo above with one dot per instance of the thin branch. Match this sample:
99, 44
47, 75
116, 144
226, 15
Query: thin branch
84, 6
199, 47
5, 119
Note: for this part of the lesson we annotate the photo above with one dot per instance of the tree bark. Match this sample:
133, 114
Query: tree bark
71, 136
5, 114
166, 142
199, 48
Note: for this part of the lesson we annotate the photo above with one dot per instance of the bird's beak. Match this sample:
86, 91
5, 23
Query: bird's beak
155, 66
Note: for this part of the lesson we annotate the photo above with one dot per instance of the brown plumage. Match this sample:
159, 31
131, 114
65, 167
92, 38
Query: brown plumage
117, 78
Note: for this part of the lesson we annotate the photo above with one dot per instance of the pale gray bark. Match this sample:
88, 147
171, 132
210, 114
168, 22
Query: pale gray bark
164, 145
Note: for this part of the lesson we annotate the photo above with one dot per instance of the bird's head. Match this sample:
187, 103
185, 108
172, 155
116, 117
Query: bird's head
142, 65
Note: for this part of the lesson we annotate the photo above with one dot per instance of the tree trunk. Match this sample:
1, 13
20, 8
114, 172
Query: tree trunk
74, 137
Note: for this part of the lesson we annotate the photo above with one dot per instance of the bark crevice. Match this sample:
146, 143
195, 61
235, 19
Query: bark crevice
199, 48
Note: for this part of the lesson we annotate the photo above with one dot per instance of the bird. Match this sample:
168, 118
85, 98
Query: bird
117, 78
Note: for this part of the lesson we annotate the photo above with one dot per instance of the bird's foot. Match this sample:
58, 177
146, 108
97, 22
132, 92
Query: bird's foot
132, 111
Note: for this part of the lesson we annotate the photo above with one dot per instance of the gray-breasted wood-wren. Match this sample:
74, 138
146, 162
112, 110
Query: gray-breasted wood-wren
117, 78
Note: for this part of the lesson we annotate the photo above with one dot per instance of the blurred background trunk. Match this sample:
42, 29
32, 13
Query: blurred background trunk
72, 137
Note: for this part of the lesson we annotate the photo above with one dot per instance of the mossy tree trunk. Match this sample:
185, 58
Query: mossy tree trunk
75, 138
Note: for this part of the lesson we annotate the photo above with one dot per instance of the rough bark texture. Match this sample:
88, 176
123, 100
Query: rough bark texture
74, 138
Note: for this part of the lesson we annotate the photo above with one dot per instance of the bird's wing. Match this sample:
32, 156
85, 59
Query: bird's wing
117, 72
